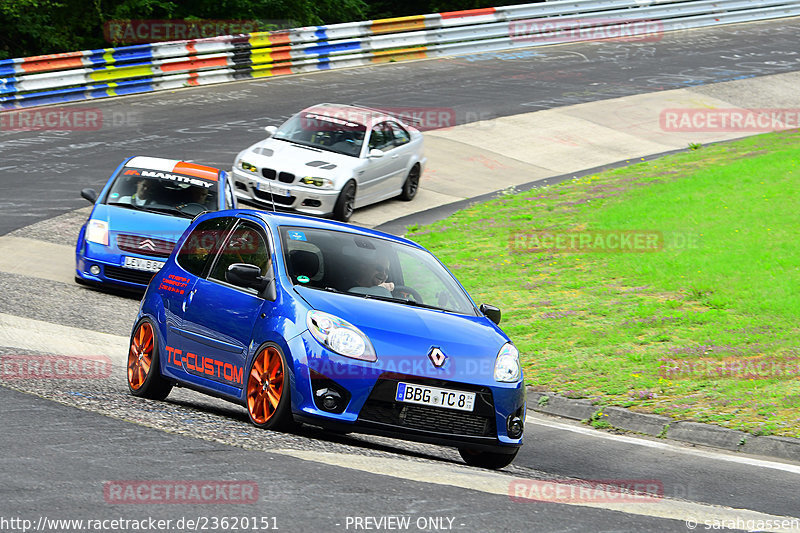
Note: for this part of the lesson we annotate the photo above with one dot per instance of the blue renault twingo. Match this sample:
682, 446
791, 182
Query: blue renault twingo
309, 320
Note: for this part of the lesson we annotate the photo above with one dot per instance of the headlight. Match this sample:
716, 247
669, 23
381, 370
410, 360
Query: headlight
340, 336
247, 166
323, 183
97, 231
506, 367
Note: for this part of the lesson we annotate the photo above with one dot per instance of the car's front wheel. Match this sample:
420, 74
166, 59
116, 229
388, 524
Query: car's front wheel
484, 459
268, 395
343, 209
144, 374
411, 185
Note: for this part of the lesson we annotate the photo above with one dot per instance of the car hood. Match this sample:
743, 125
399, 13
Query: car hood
399, 331
157, 225
300, 160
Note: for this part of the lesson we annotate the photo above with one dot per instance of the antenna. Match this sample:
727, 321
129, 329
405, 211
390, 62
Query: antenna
271, 196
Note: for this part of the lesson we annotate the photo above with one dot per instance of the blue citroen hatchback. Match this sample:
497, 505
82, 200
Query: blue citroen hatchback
314, 321
139, 215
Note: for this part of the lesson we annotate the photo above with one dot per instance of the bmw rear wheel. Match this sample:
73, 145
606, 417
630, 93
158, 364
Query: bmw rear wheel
268, 395
484, 459
144, 373
345, 204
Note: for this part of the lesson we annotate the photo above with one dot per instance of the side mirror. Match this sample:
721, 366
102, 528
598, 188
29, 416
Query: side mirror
245, 275
491, 312
375, 153
271, 130
89, 194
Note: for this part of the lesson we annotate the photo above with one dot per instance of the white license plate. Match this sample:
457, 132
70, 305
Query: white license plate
273, 189
137, 263
420, 394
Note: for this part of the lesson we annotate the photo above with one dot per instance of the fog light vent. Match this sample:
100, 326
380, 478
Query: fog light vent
515, 426
329, 399
329, 395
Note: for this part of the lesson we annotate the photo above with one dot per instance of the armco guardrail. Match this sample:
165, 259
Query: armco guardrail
124, 70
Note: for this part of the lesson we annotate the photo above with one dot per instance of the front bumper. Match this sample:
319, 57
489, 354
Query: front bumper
112, 272
368, 404
256, 189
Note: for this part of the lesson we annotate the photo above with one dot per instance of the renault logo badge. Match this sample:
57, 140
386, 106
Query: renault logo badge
437, 357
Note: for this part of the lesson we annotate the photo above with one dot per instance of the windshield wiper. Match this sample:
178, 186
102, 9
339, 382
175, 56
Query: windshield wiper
127, 206
417, 304
298, 143
150, 209
167, 210
397, 300
366, 296
332, 289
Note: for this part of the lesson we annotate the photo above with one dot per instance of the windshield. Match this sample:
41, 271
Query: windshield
327, 133
369, 267
163, 192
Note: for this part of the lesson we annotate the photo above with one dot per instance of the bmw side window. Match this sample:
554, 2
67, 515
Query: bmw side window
246, 244
401, 136
202, 243
381, 137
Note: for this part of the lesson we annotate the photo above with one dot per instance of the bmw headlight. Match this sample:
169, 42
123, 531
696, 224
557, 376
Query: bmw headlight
97, 231
507, 368
340, 336
322, 183
247, 166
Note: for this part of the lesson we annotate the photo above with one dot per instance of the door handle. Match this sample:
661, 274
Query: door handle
188, 299
395, 156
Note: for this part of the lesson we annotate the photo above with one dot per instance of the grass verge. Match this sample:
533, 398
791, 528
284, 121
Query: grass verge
703, 326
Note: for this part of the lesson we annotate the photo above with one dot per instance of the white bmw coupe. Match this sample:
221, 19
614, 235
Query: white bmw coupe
330, 159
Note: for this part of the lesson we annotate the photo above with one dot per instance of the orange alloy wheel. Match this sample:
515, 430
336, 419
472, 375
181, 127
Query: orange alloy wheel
265, 385
140, 356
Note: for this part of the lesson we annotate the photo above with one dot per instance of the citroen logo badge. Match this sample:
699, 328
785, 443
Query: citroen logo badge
147, 244
437, 357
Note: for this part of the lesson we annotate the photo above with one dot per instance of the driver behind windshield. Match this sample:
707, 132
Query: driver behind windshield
372, 275
145, 192
153, 193
196, 195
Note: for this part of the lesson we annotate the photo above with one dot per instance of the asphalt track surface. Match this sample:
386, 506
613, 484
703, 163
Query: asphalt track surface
56, 457
41, 172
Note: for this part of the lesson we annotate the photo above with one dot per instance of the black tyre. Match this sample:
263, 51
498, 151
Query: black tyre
343, 209
483, 459
411, 185
269, 396
144, 373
